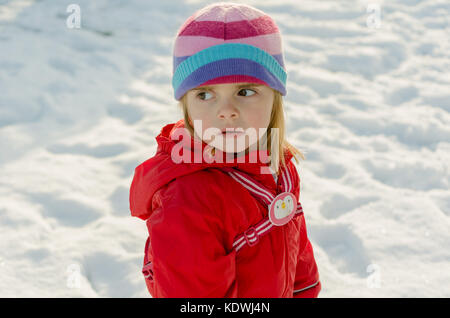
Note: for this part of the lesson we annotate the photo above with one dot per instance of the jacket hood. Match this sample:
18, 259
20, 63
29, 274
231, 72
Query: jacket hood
179, 154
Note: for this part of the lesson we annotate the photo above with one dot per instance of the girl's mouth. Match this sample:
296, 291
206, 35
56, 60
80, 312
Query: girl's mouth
231, 132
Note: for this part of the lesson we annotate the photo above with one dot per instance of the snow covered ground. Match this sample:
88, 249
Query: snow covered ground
368, 102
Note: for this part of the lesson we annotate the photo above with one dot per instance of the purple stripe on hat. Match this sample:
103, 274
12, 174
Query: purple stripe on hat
229, 67
178, 60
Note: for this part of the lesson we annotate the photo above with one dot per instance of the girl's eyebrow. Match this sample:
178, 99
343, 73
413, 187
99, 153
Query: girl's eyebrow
239, 86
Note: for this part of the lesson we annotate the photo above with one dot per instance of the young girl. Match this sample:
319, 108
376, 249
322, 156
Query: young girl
220, 223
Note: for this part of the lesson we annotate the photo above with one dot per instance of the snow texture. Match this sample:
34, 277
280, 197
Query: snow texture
368, 103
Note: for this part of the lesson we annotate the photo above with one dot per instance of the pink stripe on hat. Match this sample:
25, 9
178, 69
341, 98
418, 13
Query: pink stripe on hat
189, 44
234, 79
232, 30
233, 13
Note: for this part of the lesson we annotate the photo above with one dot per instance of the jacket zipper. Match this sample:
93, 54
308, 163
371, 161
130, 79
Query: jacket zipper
286, 263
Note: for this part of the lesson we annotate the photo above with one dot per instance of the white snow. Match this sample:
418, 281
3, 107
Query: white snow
80, 108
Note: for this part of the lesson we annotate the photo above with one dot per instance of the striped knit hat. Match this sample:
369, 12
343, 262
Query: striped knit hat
228, 43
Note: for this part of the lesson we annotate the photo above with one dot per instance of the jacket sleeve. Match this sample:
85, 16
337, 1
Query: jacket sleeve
306, 284
187, 250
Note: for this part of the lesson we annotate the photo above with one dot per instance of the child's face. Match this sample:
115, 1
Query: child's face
234, 105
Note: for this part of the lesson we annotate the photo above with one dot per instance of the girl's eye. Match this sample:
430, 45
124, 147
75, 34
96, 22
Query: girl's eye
246, 89
202, 95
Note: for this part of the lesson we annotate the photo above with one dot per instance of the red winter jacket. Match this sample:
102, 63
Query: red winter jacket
194, 211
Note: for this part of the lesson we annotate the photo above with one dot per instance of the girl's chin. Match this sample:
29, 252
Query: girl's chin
228, 144
231, 151
232, 148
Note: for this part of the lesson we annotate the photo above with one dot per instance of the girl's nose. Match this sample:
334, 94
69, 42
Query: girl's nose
228, 111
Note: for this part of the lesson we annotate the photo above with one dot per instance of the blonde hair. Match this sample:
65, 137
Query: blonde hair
276, 121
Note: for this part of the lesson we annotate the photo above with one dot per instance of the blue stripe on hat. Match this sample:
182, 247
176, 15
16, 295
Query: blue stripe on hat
177, 60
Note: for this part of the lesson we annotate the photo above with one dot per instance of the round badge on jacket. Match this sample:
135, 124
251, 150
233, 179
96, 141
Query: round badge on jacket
282, 208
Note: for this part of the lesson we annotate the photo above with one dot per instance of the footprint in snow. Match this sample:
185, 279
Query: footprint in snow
339, 205
66, 212
100, 151
343, 247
